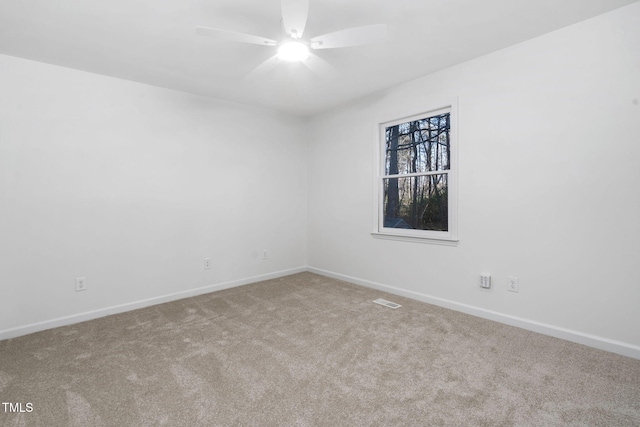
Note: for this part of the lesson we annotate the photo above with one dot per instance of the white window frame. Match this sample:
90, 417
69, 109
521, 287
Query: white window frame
449, 237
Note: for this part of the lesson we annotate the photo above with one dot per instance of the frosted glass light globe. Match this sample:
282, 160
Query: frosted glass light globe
293, 51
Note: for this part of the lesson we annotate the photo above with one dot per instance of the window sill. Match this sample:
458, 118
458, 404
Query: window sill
415, 239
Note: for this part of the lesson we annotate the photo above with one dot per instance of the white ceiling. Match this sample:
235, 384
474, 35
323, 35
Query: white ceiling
154, 41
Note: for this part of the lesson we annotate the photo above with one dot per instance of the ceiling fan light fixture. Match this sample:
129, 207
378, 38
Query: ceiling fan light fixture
293, 51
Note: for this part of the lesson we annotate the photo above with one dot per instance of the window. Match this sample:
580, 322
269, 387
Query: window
416, 182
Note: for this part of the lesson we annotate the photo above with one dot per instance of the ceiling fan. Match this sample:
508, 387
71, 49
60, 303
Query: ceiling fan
293, 47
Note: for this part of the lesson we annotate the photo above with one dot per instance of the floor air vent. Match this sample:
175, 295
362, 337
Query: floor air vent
387, 303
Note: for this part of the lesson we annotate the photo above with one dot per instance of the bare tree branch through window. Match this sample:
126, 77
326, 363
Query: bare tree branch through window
417, 166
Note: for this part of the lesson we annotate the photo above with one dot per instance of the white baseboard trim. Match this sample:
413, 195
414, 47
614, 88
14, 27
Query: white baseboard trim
601, 343
90, 315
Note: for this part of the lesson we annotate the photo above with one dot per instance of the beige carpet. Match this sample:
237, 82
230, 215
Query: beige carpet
306, 350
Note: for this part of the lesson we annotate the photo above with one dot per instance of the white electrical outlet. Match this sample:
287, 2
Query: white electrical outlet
208, 263
81, 284
264, 254
485, 281
513, 284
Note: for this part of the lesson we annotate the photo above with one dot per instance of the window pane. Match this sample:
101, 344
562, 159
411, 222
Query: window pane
417, 202
418, 146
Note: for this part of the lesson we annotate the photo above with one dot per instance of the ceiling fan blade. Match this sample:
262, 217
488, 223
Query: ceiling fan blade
234, 37
294, 16
263, 68
350, 37
320, 67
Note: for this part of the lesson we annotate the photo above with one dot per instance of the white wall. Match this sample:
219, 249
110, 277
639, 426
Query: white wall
549, 137
133, 186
